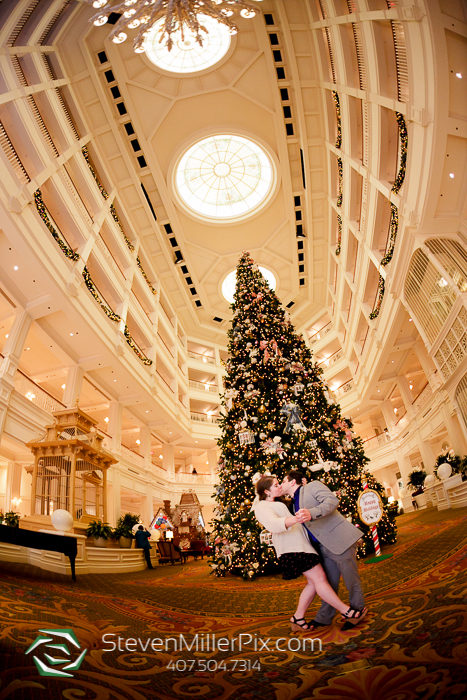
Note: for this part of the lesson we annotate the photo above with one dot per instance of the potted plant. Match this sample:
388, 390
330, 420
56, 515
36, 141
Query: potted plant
415, 484
100, 532
124, 530
11, 518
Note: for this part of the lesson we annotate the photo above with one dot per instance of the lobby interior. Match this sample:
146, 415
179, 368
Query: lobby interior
114, 297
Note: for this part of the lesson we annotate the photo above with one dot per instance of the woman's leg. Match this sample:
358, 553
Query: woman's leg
317, 578
305, 600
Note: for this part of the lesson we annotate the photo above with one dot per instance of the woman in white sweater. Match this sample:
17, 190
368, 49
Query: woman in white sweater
296, 553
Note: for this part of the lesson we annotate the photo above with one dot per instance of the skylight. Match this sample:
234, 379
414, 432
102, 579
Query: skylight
224, 177
187, 56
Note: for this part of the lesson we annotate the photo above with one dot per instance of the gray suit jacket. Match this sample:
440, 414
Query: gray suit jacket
328, 525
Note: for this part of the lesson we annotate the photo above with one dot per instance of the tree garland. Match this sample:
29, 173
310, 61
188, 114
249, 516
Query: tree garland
145, 360
113, 316
404, 140
97, 296
340, 169
335, 97
393, 226
42, 210
339, 234
379, 301
87, 158
115, 217
138, 262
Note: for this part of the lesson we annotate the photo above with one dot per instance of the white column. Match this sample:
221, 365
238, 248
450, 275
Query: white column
427, 364
117, 496
11, 356
426, 451
455, 434
388, 413
168, 462
405, 466
13, 485
74, 381
115, 424
406, 394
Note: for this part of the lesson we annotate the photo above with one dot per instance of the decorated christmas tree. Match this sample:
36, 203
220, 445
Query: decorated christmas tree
279, 414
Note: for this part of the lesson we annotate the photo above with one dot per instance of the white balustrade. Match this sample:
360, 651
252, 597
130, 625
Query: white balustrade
201, 386
34, 393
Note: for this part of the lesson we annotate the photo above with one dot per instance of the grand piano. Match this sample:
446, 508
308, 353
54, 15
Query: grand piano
41, 540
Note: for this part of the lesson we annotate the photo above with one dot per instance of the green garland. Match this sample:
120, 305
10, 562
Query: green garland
404, 140
145, 360
95, 293
85, 153
335, 97
340, 169
115, 217
339, 235
138, 262
393, 226
113, 316
379, 301
41, 208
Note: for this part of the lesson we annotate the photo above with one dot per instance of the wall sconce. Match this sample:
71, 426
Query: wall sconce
16, 502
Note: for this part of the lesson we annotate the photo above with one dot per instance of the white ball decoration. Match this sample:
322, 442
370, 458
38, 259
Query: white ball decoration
62, 520
403, 492
444, 471
429, 481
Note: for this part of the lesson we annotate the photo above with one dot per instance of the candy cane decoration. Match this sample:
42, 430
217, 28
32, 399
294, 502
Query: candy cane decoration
374, 529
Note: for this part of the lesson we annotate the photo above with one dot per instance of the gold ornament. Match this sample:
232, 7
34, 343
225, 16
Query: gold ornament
262, 409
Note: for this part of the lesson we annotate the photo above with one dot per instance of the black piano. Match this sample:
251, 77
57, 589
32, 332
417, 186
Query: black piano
41, 540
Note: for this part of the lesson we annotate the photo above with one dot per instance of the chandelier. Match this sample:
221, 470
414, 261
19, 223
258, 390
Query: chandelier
178, 15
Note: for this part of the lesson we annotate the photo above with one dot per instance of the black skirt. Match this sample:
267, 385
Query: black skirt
295, 563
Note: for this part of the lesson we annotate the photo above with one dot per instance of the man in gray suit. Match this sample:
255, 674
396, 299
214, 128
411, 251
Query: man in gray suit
332, 535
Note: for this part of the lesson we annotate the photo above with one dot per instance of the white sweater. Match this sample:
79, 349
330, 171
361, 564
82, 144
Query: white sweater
272, 516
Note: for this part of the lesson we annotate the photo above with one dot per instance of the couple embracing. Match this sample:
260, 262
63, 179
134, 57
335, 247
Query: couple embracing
316, 533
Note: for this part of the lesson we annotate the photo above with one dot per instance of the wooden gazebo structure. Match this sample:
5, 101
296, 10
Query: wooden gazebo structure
70, 468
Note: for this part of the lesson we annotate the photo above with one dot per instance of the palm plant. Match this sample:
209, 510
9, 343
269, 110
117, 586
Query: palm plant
97, 528
416, 479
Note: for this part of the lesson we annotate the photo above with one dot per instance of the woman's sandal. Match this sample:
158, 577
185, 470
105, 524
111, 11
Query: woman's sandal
353, 616
299, 625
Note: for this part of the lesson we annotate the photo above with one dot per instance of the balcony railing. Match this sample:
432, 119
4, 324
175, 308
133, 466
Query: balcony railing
335, 357
201, 358
422, 398
164, 380
165, 344
205, 418
183, 478
319, 334
344, 389
376, 441
201, 386
132, 456
36, 394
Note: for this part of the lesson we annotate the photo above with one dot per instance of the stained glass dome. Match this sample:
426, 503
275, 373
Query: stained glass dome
224, 177
187, 56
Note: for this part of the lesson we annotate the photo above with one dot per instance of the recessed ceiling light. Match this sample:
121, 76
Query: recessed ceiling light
15, 267
63, 386
147, 411
138, 442
9, 334
115, 380
160, 457
410, 319
458, 75
71, 334
378, 391
106, 419
392, 362
395, 410
207, 462
451, 175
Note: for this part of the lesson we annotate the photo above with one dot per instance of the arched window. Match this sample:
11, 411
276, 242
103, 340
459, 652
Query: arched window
453, 257
428, 294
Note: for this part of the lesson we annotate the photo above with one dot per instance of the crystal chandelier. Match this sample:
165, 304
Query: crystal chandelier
179, 15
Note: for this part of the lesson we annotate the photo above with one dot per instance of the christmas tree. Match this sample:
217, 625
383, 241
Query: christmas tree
279, 414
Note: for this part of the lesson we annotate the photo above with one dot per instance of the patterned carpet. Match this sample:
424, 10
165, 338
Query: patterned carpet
412, 644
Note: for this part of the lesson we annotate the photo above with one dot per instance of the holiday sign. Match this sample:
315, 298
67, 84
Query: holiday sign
370, 507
